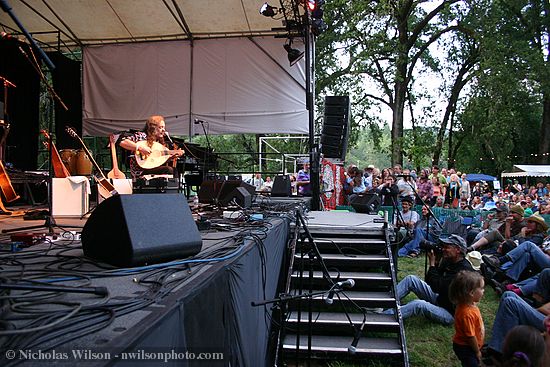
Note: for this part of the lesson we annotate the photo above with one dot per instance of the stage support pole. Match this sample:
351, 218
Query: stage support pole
310, 105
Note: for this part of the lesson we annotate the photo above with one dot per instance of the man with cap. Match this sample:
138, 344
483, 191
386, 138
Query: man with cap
433, 302
506, 225
528, 253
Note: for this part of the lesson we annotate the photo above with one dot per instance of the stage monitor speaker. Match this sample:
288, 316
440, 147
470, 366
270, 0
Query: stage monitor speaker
335, 132
241, 196
282, 187
226, 191
250, 188
366, 203
132, 230
209, 191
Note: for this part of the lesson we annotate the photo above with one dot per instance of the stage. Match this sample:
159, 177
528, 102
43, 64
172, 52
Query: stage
178, 313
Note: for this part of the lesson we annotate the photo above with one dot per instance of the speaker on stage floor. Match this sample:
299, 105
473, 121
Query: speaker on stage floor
282, 186
368, 203
209, 191
131, 230
335, 133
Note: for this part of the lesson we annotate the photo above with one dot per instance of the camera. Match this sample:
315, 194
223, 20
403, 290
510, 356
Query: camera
429, 246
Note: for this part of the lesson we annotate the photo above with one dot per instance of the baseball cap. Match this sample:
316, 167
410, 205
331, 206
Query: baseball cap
457, 241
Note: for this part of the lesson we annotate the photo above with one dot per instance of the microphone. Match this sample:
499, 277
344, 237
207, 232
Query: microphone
197, 121
7, 36
168, 136
338, 286
353, 347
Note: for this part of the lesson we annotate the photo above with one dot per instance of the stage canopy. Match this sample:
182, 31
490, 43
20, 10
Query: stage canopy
524, 170
210, 60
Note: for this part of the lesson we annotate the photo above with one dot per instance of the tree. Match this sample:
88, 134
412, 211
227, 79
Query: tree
382, 43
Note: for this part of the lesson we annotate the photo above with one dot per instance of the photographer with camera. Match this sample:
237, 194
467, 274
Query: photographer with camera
433, 302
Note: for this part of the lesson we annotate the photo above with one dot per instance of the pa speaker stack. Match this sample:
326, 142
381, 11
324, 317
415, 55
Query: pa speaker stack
335, 133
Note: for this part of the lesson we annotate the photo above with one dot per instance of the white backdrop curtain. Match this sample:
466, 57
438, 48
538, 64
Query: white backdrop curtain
235, 85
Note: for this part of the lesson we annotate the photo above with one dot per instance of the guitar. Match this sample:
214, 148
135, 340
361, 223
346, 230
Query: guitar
115, 172
101, 181
59, 169
159, 155
5, 185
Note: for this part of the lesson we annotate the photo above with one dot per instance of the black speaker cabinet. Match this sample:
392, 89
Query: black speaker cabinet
282, 186
241, 196
366, 203
227, 191
335, 132
209, 191
131, 230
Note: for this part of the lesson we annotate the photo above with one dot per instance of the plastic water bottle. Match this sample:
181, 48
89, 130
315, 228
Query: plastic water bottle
196, 201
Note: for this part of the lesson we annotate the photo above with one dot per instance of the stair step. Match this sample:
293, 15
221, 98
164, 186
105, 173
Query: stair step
325, 345
338, 321
351, 241
362, 279
349, 262
355, 275
364, 299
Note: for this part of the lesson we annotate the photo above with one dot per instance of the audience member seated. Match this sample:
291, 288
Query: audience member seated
498, 228
412, 248
513, 264
513, 311
433, 302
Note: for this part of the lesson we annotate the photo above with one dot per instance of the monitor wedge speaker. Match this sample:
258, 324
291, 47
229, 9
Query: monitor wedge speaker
138, 229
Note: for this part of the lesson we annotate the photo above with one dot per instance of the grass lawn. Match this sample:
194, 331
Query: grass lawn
428, 343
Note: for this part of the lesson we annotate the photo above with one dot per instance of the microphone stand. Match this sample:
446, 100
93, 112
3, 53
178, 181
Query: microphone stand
206, 152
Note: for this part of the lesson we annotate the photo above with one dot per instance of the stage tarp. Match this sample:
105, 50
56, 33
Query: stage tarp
235, 85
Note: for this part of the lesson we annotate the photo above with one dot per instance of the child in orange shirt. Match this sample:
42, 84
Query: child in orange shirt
466, 290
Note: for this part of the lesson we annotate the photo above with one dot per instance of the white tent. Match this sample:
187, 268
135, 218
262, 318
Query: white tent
212, 60
523, 170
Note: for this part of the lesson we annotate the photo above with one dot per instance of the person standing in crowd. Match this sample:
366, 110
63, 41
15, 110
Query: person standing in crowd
303, 181
424, 188
153, 132
388, 191
465, 291
453, 191
257, 181
406, 186
465, 189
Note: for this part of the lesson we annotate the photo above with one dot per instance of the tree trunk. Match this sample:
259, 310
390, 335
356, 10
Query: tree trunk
397, 123
544, 143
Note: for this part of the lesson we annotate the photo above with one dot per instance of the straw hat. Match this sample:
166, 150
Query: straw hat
539, 220
474, 257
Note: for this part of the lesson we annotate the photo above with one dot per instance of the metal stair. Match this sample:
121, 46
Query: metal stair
364, 255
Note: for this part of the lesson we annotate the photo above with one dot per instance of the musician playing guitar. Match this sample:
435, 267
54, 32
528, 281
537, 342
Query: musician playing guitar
151, 149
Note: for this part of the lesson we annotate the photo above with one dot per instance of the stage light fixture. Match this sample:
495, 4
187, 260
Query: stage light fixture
317, 11
268, 11
294, 55
318, 26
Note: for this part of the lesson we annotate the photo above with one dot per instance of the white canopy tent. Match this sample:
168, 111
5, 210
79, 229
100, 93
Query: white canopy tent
218, 62
523, 170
